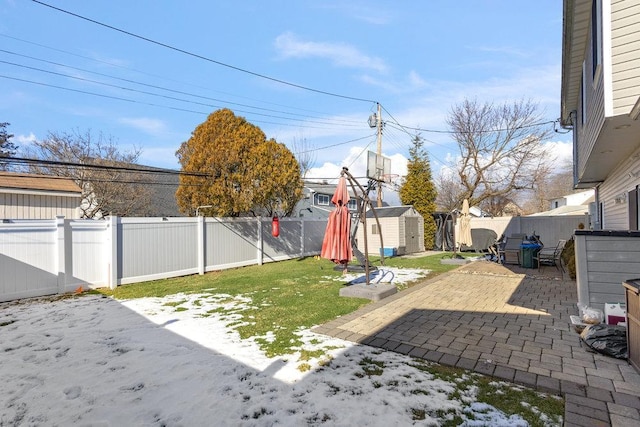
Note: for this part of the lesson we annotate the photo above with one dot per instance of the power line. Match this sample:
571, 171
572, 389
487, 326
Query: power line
475, 131
334, 145
156, 94
151, 86
204, 58
119, 168
110, 64
133, 101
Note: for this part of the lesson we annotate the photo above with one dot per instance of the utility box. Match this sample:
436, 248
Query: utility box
632, 295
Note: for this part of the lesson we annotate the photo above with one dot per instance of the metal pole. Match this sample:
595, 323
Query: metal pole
379, 152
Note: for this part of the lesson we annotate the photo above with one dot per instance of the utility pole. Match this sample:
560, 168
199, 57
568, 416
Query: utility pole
380, 165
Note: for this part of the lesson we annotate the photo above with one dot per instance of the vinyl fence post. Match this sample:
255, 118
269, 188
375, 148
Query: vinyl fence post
260, 253
201, 245
112, 252
302, 251
61, 253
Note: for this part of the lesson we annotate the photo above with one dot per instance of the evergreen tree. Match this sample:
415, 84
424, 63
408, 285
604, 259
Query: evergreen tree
229, 164
7, 148
418, 189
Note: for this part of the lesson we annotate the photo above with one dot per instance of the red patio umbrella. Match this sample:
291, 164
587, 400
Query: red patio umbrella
336, 245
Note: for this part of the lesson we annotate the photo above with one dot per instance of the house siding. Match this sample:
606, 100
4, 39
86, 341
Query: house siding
35, 206
603, 261
625, 54
616, 214
595, 115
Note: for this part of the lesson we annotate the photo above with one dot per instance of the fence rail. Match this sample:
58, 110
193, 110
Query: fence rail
55, 256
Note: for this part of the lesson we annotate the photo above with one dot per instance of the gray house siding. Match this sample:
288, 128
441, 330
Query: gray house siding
604, 260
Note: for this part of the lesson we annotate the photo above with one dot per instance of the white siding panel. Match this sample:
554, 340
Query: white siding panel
588, 131
33, 206
625, 55
610, 260
618, 183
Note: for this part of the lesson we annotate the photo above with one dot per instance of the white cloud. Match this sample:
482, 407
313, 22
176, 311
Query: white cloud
147, 125
164, 157
340, 54
24, 140
416, 80
562, 151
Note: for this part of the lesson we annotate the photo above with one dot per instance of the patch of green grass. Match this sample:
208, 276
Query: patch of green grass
506, 397
304, 367
290, 295
308, 354
371, 367
174, 304
286, 296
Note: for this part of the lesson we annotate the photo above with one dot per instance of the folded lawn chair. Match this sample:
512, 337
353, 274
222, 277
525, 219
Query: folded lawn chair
550, 256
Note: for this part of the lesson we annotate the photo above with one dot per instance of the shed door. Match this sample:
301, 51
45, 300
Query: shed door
412, 233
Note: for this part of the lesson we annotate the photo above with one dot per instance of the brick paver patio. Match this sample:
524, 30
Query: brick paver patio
511, 323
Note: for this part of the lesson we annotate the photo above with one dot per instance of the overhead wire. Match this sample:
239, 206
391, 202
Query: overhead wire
173, 98
115, 65
202, 57
151, 86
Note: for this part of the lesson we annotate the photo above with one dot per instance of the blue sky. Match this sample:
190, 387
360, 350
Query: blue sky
416, 58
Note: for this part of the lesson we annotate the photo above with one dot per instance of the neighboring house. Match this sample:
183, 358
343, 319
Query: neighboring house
572, 204
600, 102
157, 195
29, 196
401, 227
316, 201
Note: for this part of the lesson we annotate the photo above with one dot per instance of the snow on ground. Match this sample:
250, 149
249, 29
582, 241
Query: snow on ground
177, 361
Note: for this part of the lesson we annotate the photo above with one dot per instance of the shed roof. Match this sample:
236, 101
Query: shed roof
390, 211
26, 181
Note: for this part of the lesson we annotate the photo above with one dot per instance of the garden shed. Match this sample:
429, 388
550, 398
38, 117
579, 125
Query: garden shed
29, 196
401, 227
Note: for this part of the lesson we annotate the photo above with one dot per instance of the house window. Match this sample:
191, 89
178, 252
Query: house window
353, 204
596, 35
374, 229
323, 200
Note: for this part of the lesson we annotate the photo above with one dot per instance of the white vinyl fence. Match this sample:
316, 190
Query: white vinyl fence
46, 257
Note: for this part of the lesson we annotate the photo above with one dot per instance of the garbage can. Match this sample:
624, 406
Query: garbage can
527, 253
632, 295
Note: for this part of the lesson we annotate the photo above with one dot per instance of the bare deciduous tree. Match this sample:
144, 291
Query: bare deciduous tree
98, 167
501, 149
449, 192
305, 154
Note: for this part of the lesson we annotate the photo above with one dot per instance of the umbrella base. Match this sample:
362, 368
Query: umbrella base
373, 292
354, 268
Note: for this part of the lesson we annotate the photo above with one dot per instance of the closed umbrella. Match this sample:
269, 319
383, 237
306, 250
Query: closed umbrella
336, 245
465, 225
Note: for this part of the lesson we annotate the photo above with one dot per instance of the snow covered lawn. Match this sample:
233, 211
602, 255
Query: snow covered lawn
177, 361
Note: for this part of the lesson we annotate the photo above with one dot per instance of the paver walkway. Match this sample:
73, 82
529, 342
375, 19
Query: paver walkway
510, 323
